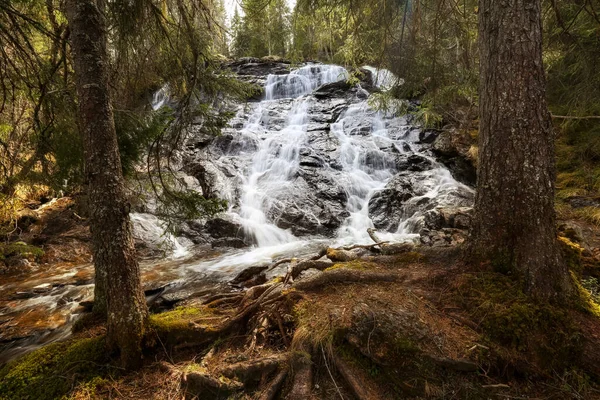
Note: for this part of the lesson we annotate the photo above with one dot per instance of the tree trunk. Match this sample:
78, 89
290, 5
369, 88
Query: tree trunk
514, 225
118, 288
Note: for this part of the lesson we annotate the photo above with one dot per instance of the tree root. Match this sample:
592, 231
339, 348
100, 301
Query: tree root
275, 386
254, 370
353, 380
203, 386
310, 264
302, 366
342, 275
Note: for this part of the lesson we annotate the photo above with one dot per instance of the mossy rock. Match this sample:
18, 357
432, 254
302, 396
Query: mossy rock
52, 371
20, 249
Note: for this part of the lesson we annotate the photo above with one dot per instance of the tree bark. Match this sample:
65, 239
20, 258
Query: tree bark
514, 225
118, 291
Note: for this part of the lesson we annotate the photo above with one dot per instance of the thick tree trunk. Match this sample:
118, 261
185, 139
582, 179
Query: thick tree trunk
514, 209
118, 287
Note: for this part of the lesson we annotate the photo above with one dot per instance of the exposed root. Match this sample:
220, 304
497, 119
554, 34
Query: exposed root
310, 264
200, 385
342, 275
302, 367
354, 381
222, 296
254, 370
341, 255
248, 274
274, 387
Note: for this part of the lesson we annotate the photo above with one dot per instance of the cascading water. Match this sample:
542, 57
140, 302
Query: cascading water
311, 164
358, 158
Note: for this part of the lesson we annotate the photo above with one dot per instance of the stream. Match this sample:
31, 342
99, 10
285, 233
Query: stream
310, 164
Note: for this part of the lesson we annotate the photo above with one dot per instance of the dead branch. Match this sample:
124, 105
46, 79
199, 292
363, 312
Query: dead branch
373, 235
364, 246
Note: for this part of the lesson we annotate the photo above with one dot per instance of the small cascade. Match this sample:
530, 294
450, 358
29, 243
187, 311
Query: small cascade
160, 98
366, 167
303, 81
276, 161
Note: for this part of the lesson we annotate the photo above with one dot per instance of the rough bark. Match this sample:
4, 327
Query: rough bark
118, 288
514, 223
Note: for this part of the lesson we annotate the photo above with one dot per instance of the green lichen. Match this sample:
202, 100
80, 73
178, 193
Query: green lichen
52, 371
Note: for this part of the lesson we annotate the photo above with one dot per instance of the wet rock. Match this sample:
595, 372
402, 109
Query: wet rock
333, 90
454, 154
449, 217
235, 243
428, 137
224, 227
386, 205
413, 162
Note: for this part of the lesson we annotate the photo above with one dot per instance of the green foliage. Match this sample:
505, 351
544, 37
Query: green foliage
263, 30
50, 372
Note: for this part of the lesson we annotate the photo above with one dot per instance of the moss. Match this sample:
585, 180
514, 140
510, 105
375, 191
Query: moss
179, 318
585, 300
89, 389
356, 264
572, 253
507, 316
52, 371
20, 249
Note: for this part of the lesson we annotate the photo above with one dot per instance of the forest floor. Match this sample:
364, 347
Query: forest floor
421, 323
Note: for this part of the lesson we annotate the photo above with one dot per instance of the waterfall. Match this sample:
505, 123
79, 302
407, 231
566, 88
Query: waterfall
361, 161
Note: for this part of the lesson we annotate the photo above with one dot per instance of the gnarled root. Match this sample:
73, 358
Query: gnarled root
274, 387
302, 367
254, 370
321, 265
199, 385
354, 381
